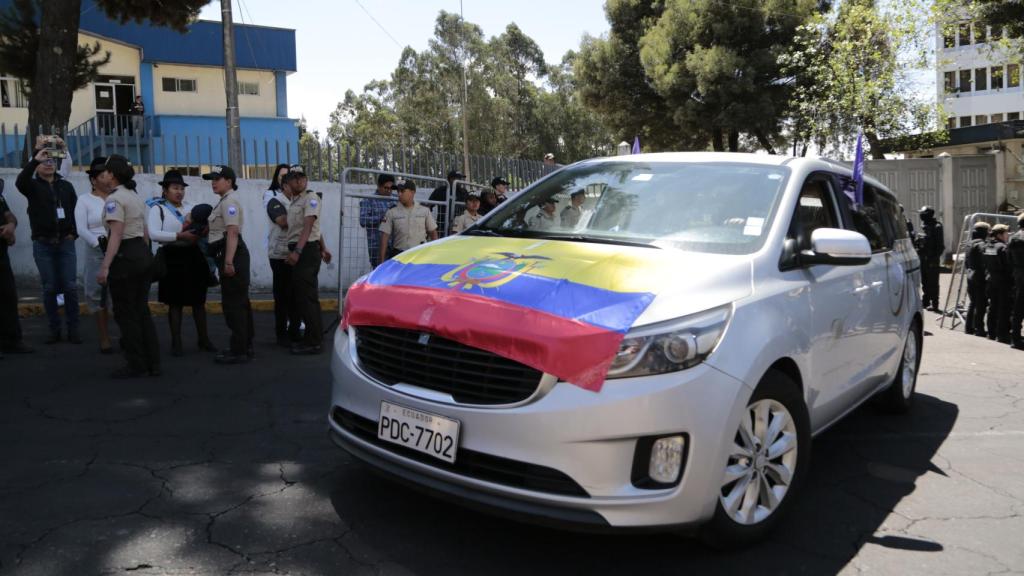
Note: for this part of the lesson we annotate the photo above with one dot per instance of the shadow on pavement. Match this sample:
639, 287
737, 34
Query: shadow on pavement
860, 471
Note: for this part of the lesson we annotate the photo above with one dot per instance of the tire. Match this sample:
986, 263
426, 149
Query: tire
743, 517
898, 398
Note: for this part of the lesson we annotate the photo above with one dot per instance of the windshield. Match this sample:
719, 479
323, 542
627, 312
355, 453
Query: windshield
717, 207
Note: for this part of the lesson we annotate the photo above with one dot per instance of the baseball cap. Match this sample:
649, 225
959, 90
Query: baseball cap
220, 172
982, 226
455, 174
549, 156
473, 195
294, 171
498, 180
97, 165
551, 201
1000, 228
407, 185
577, 193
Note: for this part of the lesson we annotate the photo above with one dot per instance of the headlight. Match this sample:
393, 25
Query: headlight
670, 346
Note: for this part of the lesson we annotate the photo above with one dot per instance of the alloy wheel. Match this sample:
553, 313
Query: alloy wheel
761, 464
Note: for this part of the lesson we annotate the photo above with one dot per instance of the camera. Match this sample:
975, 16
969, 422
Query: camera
54, 147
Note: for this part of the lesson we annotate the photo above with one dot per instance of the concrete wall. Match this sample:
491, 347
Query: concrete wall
254, 229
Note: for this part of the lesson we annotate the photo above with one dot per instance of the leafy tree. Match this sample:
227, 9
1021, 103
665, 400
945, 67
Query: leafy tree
58, 65
851, 71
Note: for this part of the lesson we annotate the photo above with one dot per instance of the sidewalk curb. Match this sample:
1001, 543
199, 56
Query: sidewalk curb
158, 309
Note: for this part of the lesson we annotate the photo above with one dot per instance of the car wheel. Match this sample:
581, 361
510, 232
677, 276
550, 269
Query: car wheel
899, 397
767, 461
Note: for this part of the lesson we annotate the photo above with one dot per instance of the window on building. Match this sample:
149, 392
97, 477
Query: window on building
249, 88
12, 93
965, 81
997, 33
950, 82
179, 85
997, 77
997, 118
1012, 75
980, 119
951, 123
965, 121
981, 78
964, 33
980, 36
1013, 116
948, 37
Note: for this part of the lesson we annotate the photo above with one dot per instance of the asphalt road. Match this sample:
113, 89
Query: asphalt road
228, 470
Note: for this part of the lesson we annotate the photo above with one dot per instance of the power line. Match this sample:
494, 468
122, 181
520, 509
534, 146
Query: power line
383, 29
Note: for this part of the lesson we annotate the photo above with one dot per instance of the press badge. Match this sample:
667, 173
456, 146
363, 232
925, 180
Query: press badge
60, 213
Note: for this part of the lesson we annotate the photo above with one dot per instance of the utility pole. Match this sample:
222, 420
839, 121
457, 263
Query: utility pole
231, 90
465, 98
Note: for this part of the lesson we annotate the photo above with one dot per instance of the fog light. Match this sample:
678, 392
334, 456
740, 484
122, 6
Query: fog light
666, 459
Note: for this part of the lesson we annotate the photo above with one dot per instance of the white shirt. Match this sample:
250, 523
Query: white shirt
89, 219
166, 231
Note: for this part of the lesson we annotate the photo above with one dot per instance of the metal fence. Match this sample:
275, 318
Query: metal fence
154, 151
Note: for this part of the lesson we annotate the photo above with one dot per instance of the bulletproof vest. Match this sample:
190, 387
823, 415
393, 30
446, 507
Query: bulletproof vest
975, 255
931, 243
1016, 250
995, 260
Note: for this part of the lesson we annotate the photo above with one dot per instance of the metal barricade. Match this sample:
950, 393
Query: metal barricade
360, 218
955, 307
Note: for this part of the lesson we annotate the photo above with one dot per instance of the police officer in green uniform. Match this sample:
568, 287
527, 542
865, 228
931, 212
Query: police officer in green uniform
1016, 253
127, 261
304, 255
407, 225
999, 277
232, 257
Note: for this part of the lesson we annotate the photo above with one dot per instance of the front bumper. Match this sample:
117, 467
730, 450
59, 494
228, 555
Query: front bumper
589, 437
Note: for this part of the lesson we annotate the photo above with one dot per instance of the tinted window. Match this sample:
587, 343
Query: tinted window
867, 218
892, 218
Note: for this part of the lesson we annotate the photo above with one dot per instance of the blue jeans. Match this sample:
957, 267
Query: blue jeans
58, 268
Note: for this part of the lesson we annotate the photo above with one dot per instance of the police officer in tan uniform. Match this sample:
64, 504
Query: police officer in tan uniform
229, 251
126, 268
304, 255
470, 216
410, 223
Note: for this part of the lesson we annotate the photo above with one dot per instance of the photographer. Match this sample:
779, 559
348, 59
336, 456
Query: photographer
89, 220
51, 215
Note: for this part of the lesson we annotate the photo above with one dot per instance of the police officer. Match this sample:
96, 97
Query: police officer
930, 246
572, 213
999, 276
976, 287
1016, 253
232, 257
470, 216
500, 186
126, 268
304, 256
409, 223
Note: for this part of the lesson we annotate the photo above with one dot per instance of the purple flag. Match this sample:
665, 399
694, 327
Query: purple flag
858, 171
636, 145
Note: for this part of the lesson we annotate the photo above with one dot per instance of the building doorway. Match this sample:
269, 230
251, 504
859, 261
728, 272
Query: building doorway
114, 98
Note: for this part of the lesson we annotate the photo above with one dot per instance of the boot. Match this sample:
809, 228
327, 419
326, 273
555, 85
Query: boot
199, 315
174, 319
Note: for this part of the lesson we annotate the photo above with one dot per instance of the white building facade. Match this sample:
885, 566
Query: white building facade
978, 82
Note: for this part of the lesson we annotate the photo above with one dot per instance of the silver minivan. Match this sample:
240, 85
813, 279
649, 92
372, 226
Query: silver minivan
639, 341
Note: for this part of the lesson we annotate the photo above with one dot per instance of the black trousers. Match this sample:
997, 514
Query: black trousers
930, 282
286, 315
234, 293
977, 292
129, 281
306, 293
999, 308
1018, 307
10, 327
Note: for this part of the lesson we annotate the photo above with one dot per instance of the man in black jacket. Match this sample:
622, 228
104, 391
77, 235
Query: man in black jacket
976, 288
930, 246
1015, 248
999, 276
51, 217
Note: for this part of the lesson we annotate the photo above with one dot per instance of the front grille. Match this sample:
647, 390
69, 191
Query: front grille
470, 375
469, 463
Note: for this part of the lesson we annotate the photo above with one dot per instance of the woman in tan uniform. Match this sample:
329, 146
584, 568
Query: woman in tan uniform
232, 257
126, 268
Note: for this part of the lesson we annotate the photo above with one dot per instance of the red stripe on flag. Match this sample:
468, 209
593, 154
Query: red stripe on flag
573, 351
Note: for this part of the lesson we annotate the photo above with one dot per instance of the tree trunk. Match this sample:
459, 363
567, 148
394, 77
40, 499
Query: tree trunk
734, 141
765, 142
876, 145
49, 106
716, 140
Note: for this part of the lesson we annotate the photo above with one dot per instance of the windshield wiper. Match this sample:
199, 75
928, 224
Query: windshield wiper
596, 240
482, 232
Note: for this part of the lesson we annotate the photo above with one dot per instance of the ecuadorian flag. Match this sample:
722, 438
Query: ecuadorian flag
560, 307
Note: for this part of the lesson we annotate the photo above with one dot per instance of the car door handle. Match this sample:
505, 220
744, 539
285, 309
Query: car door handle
861, 289
877, 284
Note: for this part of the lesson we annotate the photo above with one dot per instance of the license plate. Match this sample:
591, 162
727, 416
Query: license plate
424, 432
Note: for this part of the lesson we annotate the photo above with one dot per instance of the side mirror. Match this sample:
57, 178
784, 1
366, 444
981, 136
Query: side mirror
837, 247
